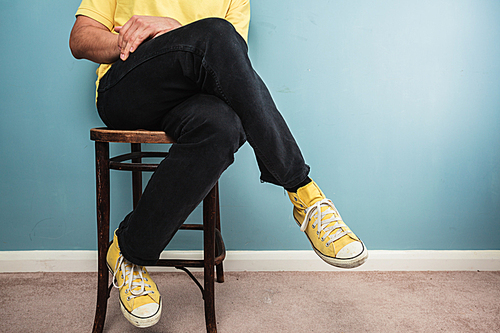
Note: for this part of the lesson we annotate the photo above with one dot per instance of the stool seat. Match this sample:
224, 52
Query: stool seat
213, 246
104, 134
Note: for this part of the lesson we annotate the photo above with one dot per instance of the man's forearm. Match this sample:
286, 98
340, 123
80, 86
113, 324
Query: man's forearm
91, 41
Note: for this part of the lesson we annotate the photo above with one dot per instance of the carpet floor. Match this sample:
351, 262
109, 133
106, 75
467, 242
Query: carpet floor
267, 302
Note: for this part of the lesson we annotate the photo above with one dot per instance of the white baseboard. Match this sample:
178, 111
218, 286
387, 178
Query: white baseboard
86, 261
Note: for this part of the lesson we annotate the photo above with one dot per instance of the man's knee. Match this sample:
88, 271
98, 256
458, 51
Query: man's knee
225, 127
216, 122
220, 31
215, 25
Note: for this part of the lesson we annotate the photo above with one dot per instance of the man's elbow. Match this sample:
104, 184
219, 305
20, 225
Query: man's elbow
74, 51
75, 44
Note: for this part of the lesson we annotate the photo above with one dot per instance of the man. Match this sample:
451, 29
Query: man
181, 66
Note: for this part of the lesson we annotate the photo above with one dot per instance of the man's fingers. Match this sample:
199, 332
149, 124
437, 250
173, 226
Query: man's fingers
127, 38
125, 32
141, 28
134, 41
133, 33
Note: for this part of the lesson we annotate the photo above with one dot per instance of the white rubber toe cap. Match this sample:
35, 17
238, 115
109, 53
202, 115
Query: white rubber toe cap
351, 250
146, 310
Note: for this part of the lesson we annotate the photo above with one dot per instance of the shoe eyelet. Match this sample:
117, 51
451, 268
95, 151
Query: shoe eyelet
128, 298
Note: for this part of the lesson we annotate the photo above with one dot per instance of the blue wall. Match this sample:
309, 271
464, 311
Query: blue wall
396, 105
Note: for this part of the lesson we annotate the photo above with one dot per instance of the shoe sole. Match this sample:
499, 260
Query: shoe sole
341, 263
138, 321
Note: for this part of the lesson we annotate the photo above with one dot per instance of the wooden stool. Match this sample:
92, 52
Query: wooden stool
213, 246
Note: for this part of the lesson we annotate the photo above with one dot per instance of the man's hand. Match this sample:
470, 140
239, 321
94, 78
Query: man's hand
141, 28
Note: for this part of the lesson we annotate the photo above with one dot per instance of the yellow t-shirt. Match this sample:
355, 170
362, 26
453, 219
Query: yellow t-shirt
115, 13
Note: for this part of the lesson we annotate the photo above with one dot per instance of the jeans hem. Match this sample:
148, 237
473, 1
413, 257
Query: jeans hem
126, 254
294, 182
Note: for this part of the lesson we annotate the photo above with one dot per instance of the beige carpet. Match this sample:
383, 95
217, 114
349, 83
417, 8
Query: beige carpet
268, 302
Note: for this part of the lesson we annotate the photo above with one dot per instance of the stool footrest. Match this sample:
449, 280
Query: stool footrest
116, 163
180, 263
188, 263
132, 166
139, 154
191, 226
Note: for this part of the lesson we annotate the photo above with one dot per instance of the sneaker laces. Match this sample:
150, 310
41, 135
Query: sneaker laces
325, 224
132, 276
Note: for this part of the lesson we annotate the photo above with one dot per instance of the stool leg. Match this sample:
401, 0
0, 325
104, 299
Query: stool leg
102, 180
209, 221
219, 268
136, 176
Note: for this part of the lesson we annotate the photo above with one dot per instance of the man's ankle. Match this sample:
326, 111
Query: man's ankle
302, 184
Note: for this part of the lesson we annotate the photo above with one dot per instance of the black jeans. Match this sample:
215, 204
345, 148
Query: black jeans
197, 84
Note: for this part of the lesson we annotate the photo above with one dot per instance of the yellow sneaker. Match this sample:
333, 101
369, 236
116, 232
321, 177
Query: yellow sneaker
330, 237
140, 300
